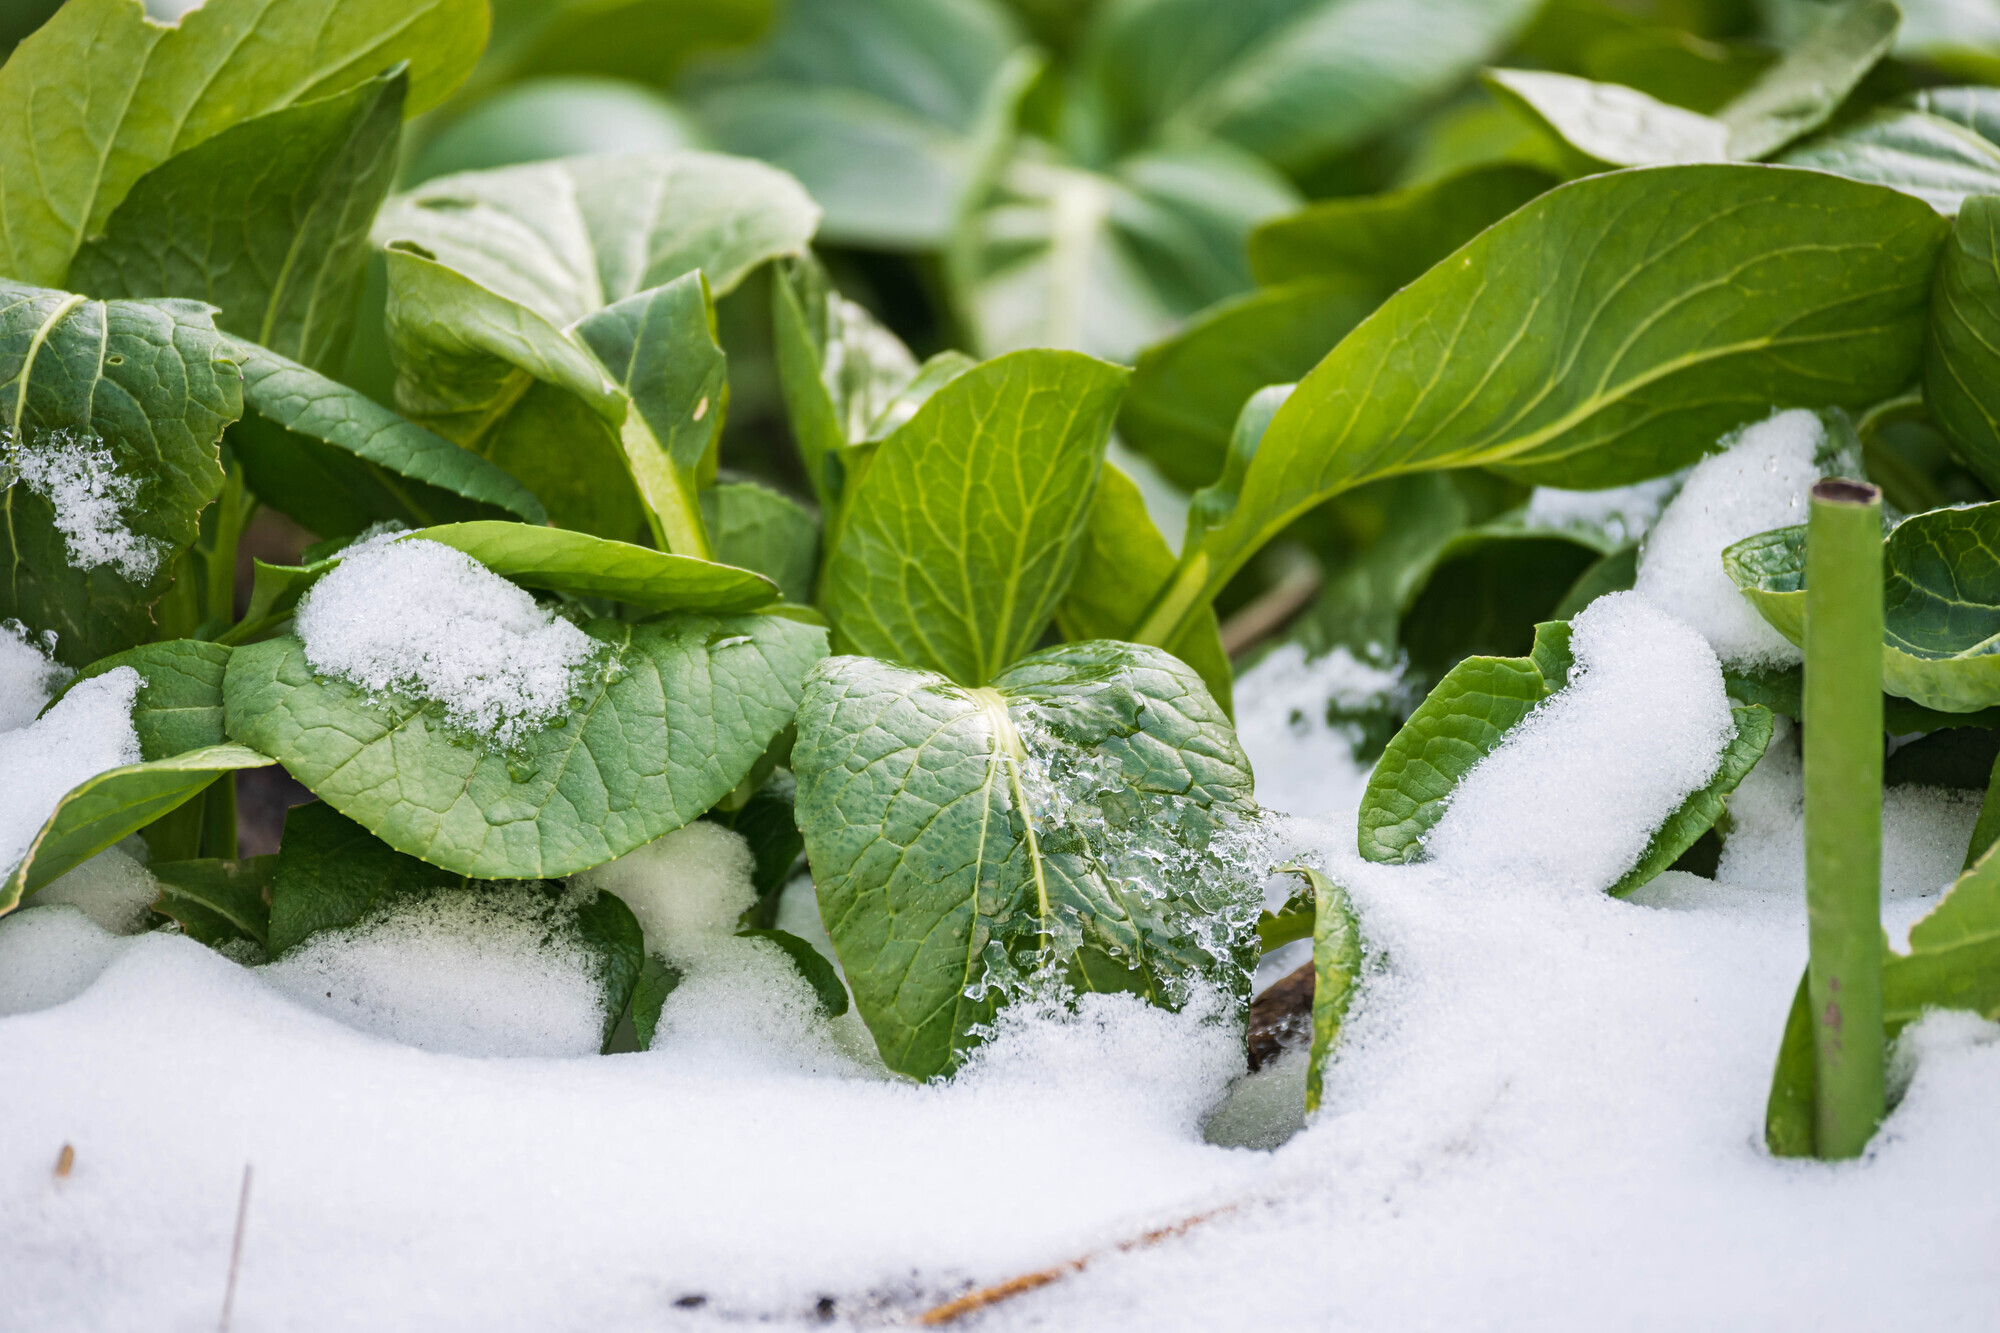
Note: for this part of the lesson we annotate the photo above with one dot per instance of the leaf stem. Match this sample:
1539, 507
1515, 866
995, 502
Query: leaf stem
1843, 789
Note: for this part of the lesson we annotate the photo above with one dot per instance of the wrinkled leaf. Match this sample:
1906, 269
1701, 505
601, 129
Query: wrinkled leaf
965, 840
677, 713
129, 397
963, 535
179, 707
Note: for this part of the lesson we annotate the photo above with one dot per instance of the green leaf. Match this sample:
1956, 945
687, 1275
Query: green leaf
657, 980
1466, 718
506, 287
140, 390
1295, 81
1106, 262
1978, 109
647, 40
963, 534
116, 803
1125, 563
586, 566
337, 461
1783, 693
1790, 1115
660, 349
1697, 815
1391, 238
757, 528
179, 707
217, 901
1962, 356
1610, 125
1187, 390
275, 591
554, 116
267, 220
1616, 572
1336, 974
1677, 66
1063, 818
838, 368
1568, 346
1811, 79
102, 94
331, 873
1926, 156
818, 973
678, 713
1941, 602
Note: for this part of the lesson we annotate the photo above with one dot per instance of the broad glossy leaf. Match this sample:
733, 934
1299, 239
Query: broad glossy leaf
1106, 262
757, 528
1569, 346
1125, 563
1065, 818
332, 873
1486, 589
1941, 602
1188, 389
179, 707
268, 220
962, 536
587, 566
1390, 238
128, 396
1962, 356
1336, 974
1937, 161
1611, 125
1811, 79
102, 94
217, 901
678, 713
338, 461
567, 238
115, 804
1294, 81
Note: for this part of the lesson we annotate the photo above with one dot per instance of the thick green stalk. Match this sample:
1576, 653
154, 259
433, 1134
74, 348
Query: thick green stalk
1843, 780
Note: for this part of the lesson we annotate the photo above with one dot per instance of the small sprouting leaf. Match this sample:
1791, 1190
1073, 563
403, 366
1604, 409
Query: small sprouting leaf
587, 566
678, 712
1125, 563
658, 979
1065, 819
1791, 1127
319, 451
122, 92
1941, 602
118, 802
217, 901
268, 220
961, 537
1336, 973
117, 409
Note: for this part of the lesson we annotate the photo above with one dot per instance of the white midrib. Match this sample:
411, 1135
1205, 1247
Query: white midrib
1010, 752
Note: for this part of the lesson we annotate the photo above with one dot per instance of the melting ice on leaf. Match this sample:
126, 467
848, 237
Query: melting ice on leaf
1079, 819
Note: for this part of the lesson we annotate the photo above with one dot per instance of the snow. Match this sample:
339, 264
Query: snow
429, 621
78, 476
89, 731
29, 677
490, 971
1621, 513
1758, 482
1281, 709
49, 955
1574, 793
113, 888
687, 888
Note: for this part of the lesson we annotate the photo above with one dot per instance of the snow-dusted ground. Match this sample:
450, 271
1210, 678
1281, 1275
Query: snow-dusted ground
1546, 1112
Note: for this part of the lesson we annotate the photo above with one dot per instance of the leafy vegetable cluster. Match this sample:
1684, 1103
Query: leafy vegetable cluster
937, 643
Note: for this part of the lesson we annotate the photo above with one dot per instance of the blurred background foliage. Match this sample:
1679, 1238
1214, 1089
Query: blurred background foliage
1213, 191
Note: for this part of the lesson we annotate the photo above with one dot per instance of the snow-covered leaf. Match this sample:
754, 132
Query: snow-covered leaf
1067, 818
1336, 974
